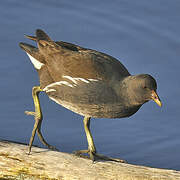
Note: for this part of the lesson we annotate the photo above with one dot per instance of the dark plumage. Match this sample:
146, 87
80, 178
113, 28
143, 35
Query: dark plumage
88, 82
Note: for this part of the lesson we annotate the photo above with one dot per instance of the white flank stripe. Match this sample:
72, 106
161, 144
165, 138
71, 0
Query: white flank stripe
57, 84
65, 83
74, 80
92, 79
35, 62
70, 78
81, 79
50, 90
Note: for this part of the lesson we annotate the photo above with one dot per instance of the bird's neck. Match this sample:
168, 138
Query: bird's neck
126, 91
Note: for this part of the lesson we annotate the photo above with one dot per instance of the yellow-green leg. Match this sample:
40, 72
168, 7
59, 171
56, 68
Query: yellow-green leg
38, 119
91, 147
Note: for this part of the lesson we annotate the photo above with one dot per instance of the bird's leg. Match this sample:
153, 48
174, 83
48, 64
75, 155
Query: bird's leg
38, 119
91, 147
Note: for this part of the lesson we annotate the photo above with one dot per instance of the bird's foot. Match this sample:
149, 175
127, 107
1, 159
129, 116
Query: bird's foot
37, 128
95, 156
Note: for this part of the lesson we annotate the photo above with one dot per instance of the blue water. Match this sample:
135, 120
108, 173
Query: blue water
144, 35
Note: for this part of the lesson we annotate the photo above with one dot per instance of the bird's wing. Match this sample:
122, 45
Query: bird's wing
65, 59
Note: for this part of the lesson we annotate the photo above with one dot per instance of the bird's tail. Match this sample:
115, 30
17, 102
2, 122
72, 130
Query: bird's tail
31, 37
36, 58
28, 48
45, 46
40, 35
41, 38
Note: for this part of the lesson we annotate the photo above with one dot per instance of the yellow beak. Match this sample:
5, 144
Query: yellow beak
156, 98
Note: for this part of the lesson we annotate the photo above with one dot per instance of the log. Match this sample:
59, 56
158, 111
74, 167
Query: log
15, 163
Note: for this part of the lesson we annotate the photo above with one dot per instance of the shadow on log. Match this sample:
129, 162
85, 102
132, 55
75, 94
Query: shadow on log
15, 163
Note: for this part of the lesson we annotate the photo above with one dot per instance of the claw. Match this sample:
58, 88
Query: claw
30, 113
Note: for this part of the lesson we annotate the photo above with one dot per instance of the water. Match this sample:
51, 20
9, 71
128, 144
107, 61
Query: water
143, 34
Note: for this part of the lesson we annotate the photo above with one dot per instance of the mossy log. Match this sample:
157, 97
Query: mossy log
15, 163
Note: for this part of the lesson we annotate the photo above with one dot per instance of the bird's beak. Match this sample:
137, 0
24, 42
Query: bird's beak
156, 98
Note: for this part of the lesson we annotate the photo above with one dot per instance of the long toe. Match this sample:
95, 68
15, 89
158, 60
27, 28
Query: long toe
95, 156
53, 148
106, 158
81, 153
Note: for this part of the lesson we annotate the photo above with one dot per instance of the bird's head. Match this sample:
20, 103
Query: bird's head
142, 88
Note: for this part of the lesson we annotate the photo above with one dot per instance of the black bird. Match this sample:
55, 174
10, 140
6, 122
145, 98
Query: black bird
87, 82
